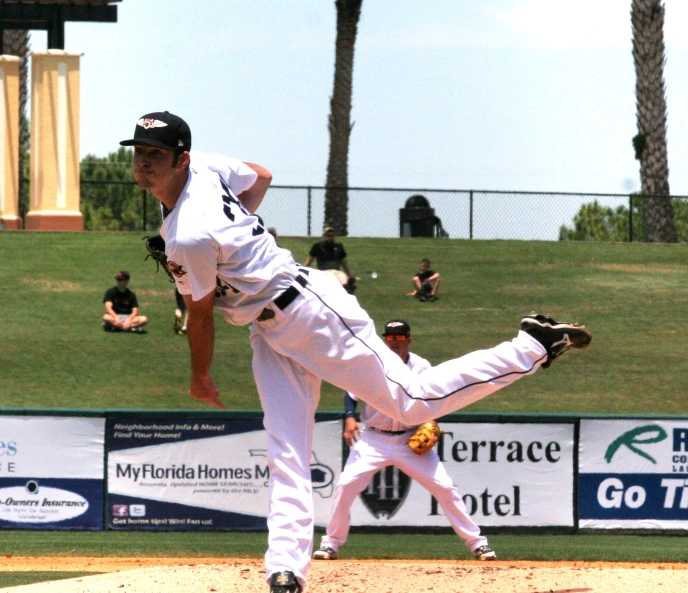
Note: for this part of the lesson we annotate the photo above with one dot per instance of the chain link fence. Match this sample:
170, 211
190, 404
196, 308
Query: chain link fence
462, 214
378, 212
118, 206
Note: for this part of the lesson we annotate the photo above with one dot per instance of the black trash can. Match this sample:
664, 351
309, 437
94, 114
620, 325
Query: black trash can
417, 219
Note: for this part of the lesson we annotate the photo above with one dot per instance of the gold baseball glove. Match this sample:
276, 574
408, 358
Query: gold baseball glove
425, 438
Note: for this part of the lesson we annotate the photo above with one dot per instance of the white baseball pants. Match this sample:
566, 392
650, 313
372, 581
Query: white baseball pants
375, 450
325, 335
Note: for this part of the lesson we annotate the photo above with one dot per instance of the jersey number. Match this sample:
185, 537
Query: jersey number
229, 200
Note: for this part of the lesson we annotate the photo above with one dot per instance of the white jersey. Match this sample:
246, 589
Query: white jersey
375, 419
376, 450
212, 243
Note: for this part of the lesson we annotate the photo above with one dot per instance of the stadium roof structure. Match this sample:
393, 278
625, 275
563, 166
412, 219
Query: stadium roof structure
51, 15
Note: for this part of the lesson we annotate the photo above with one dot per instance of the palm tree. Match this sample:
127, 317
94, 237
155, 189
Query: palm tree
18, 43
647, 18
336, 194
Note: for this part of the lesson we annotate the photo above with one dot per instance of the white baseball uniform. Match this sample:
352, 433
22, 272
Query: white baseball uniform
316, 332
384, 442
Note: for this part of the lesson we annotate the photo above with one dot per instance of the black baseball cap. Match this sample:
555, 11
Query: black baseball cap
397, 327
122, 275
162, 129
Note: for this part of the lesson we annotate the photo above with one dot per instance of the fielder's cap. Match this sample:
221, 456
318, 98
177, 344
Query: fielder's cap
162, 129
397, 327
122, 275
328, 229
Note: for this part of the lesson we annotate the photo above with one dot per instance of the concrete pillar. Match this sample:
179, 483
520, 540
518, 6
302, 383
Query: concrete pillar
55, 190
9, 143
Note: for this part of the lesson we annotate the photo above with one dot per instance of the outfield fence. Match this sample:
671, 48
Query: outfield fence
296, 210
462, 214
175, 470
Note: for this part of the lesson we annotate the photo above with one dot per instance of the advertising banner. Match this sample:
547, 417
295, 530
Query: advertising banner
171, 473
51, 472
512, 474
633, 474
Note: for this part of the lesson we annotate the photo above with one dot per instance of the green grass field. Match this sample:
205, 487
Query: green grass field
584, 547
54, 354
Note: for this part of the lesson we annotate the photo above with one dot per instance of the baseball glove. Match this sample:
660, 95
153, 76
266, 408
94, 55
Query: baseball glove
425, 438
156, 249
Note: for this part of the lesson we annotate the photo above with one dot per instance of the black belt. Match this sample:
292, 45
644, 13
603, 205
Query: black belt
390, 431
283, 300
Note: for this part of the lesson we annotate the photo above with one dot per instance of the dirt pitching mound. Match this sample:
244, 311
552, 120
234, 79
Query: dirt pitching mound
162, 575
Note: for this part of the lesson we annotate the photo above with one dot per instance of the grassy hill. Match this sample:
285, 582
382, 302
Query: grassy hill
54, 354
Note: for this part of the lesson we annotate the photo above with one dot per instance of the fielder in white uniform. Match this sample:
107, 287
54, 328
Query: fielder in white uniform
305, 328
384, 442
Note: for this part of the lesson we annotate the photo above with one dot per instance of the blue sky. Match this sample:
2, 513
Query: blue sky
530, 95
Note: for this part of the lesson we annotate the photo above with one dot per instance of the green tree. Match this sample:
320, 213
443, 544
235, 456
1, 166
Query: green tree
110, 198
681, 218
336, 194
594, 222
647, 19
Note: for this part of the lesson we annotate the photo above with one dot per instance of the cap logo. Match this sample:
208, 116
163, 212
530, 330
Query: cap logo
395, 324
149, 122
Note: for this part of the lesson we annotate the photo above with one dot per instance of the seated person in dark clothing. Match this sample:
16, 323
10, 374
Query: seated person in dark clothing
331, 256
122, 307
425, 282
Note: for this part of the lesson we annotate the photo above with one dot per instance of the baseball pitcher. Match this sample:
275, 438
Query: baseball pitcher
305, 328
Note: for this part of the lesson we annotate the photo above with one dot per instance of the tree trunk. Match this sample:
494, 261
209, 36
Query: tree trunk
647, 18
17, 43
336, 194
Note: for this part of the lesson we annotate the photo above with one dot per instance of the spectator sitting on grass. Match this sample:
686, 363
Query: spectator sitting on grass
122, 308
426, 282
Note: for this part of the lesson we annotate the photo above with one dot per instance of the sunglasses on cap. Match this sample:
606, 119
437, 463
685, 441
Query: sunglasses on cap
395, 337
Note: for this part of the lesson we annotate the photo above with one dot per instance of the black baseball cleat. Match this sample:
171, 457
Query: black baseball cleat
284, 582
556, 337
325, 553
484, 553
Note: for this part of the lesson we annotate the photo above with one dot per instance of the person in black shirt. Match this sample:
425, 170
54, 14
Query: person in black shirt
331, 257
426, 282
329, 254
122, 307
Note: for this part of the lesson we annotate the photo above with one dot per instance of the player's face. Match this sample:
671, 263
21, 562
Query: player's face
424, 266
152, 165
400, 347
